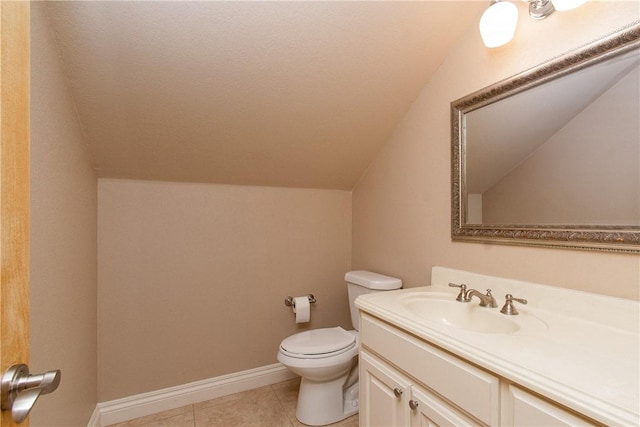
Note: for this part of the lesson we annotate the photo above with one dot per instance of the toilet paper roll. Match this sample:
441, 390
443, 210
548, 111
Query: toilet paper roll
302, 309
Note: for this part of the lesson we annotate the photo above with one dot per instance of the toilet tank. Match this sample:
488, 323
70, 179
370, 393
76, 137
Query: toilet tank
362, 282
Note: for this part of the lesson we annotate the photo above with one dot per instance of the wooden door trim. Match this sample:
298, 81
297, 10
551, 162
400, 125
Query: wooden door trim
14, 186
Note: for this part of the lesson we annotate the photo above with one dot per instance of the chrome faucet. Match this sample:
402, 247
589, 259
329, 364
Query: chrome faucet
465, 295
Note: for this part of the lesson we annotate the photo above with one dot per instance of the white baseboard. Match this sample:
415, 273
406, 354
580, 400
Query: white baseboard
94, 421
140, 405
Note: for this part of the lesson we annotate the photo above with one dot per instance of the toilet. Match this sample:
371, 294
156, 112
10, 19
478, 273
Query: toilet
327, 358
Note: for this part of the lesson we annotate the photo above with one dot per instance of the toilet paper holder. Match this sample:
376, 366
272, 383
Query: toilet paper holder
290, 302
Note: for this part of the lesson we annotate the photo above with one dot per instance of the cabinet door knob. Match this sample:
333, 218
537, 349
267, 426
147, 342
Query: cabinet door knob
413, 404
398, 392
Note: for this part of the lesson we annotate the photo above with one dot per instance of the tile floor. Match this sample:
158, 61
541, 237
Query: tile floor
270, 406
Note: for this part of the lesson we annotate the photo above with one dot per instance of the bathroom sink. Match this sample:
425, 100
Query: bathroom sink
444, 309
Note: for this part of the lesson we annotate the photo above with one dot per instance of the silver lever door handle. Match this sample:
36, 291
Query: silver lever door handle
19, 390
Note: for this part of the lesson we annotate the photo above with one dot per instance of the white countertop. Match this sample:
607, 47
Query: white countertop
581, 350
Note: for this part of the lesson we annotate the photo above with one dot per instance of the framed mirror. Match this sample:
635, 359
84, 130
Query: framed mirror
551, 156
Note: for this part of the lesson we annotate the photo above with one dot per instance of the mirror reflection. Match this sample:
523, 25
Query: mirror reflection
565, 152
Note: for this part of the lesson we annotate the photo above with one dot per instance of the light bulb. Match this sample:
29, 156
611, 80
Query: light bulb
498, 23
562, 5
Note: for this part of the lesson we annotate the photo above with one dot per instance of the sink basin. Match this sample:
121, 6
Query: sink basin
444, 309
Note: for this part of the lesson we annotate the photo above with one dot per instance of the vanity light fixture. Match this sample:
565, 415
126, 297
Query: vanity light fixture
498, 22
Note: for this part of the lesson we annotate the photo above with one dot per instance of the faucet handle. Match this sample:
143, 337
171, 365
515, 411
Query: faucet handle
461, 294
508, 308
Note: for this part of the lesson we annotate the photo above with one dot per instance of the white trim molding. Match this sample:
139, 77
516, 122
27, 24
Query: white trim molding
140, 405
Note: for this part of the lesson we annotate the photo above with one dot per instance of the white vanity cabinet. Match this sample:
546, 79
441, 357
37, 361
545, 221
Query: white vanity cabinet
384, 392
406, 381
392, 399
525, 409
444, 387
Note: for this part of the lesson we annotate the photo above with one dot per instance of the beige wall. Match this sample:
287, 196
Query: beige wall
192, 277
63, 264
401, 208
587, 173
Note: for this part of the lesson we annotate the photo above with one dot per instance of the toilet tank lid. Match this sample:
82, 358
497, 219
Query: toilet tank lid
372, 280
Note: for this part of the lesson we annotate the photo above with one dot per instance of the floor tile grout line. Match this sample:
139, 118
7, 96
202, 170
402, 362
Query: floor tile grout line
282, 407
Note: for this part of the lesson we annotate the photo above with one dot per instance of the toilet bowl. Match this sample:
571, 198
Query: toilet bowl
327, 359
324, 358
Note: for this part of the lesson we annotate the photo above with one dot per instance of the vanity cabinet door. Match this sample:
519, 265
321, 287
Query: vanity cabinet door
384, 394
526, 409
388, 398
430, 411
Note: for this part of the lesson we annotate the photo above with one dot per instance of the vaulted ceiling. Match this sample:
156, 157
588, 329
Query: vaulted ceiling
294, 94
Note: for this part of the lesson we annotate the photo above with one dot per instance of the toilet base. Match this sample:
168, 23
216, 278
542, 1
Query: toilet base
322, 403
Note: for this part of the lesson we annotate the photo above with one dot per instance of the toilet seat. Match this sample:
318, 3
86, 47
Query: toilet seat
318, 343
